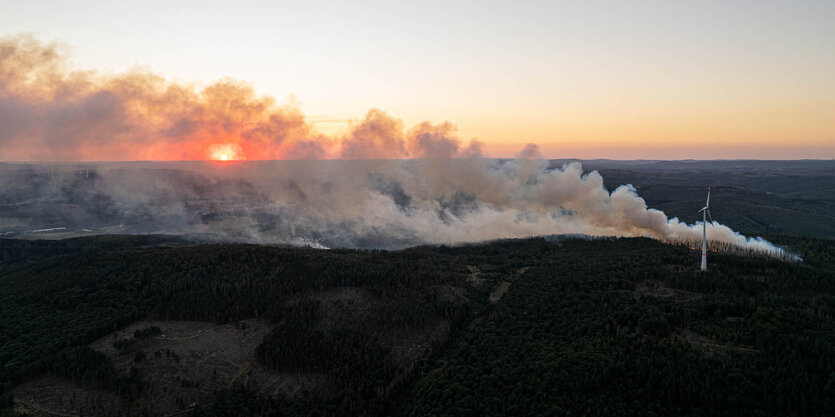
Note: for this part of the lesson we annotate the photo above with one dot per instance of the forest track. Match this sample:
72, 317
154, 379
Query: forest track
244, 368
43, 410
705, 343
729, 347
190, 409
199, 333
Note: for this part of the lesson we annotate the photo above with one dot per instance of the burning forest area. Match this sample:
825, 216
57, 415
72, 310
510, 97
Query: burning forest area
171, 246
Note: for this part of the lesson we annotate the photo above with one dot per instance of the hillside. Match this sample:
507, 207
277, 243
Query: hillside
794, 198
601, 327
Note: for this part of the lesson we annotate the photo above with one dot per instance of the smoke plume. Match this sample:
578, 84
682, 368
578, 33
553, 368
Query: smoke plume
51, 112
379, 185
338, 203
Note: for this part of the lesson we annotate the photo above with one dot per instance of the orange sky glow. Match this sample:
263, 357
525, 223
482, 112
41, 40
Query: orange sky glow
259, 80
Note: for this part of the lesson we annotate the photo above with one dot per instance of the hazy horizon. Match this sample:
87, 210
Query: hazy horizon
58, 162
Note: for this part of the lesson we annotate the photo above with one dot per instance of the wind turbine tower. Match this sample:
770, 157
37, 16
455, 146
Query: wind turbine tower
705, 214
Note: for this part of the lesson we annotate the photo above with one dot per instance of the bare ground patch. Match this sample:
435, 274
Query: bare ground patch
708, 345
181, 367
659, 289
187, 360
499, 291
474, 278
502, 288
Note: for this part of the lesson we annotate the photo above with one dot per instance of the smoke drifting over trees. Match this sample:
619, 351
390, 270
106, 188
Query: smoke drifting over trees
368, 197
368, 203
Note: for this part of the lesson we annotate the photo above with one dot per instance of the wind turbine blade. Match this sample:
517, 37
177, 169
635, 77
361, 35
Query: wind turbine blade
707, 204
709, 216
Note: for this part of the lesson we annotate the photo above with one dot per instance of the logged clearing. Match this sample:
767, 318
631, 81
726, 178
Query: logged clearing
181, 367
188, 360
499, 291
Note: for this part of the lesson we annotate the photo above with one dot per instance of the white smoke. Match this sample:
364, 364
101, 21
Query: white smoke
372, 203
449, 194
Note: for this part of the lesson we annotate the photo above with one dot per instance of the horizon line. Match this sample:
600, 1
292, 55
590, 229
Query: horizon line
415, 159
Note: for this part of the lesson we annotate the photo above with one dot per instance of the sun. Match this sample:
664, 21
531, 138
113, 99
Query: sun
225, 152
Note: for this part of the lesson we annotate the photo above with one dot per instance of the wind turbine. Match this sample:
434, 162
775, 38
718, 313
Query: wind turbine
705, 214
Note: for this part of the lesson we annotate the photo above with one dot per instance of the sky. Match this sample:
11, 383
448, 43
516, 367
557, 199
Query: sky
584, 79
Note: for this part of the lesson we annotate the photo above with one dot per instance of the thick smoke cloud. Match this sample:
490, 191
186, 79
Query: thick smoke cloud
371, 194
338, 203
50, 112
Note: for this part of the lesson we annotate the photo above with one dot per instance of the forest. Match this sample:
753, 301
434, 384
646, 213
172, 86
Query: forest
578, 327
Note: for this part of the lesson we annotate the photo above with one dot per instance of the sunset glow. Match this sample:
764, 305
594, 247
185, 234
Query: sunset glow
226, 152
670, 80
315, 203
